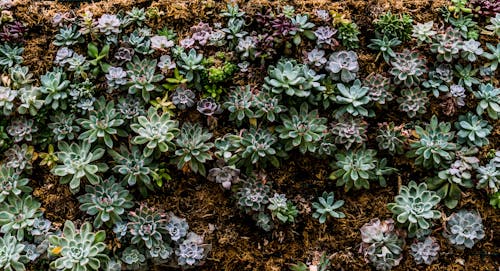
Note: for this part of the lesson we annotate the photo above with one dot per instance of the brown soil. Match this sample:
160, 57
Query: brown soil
236, 243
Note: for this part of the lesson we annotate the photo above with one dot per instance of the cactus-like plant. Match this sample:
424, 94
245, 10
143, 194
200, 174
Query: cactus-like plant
408, 68
426, 251
343, 66
326, 207
158, 131
11, 254
78, 161
303, 129
80, 249
435, 145
18, 214
414, 207
382, 244
193, 148
106, 201
464, 228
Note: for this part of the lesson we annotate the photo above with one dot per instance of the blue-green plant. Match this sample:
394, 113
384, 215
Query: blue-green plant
133, 258
343, 66
140, 40
134, 166
82, 249
494, 26
11, 254
135, 16
435, 145
11, 183
414, 208
142, 77
384, 46
488, 98
267, 106
471, 49
190, 65
158, 131
239, 103
326, 207
18, 214
22, 129
78, 161
292, 78
177, 227
282, 208
54, 85
302, 29
493, 55
190, 251
30, 100
408, 68
193, 148
426, 251
147, 226
303, 129
130, 107
102, 123
466, 75
348, 130
464, 228
63, 127
382, 244
233, 11
253, 195
10, 55
488, 176
20, 77
423, 33
473, 130
68, 35
354, 168
106, 201
390, 138
353, 100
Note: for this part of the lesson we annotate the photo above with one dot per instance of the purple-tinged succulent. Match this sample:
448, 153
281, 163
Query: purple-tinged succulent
349, 130
13, 32
187, 43
225, 175
22, 129
442, 72
124, 54
316, 58
343, 65
183, 98
282, 26
458, 93
161, 43
379, 88
166, 63
116, 77
408, 68
323, 15
425, 251
63, 55
247, 46
109, 24
325, 35
485, 7
201, 33
208, 107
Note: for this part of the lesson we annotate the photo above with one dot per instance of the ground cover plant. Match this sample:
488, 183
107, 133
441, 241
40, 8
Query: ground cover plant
205, 135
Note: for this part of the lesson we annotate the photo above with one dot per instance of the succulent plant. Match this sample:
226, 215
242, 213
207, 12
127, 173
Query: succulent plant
464, 228
130, 107
268, 106
193, 148
22, 129
116, 77
147, 226
13, 32
413, 207
292, 78
382, 244
408, 68
106, 201
78, 249
435, 145
323, 264
142, 77
494, 25
10, 56
473, 130
394, 25
140, 41
54, 85
426, 251
190, 65
316, 58
62, 126
30, 101
158, 131
253, 195
239, 103
466, 75
353, 100
78, 161
11, 254
21, 77
348, 130
124, 54
354, 168
384, 46
40, 228
303, 129
379, 88
19, 157
282, 208
68, 35
423, 32
447, 45
325, 35
413, 101
183, 98
18, 214
208, 107
191, 251
326, 207
11, 183
133, 258
348, 34
391, 138
135, 16
136, 168
489, 100
109, 24
495, 200
471, 49
488, 176
225, 175
493, 55
7, 97
177, 227
343, 66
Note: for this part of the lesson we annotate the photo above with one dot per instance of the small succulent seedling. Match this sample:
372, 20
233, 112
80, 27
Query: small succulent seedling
326, 207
